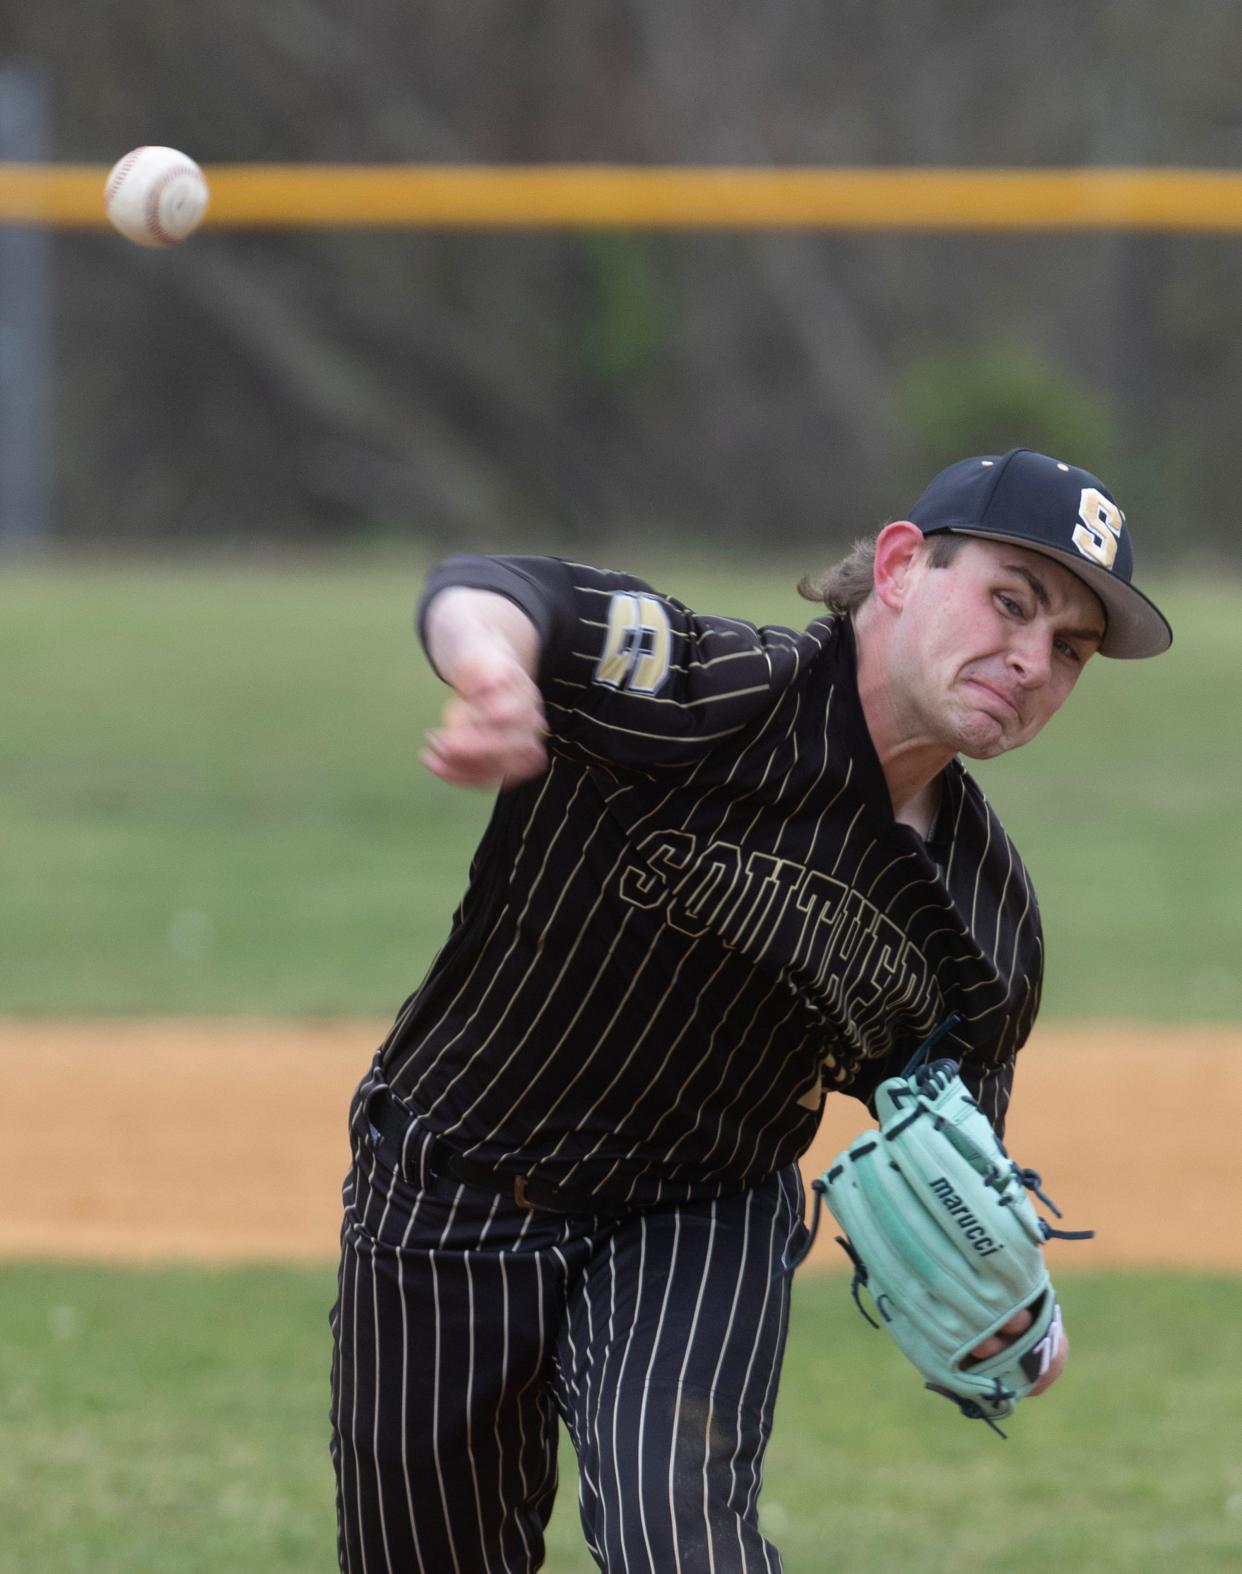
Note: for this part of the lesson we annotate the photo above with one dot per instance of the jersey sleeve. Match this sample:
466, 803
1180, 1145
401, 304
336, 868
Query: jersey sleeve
629, 675
991, 1088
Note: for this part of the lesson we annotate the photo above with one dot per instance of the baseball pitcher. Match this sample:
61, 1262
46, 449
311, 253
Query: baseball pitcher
731, 871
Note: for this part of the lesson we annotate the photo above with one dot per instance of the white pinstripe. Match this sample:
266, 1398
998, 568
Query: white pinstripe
610, 1345
375, 1425
685, 1367
354, 1428
405, 1388
435, 1415
669, 1281
621, 1488
769, 1398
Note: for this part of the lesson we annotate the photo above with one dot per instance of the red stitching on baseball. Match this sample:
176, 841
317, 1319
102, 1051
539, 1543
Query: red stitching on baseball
119, 173
158, 186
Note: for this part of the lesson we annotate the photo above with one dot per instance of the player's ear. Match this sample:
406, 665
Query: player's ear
896, 552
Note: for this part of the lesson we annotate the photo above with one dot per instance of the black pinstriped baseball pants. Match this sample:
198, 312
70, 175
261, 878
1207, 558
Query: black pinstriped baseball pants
465, 1324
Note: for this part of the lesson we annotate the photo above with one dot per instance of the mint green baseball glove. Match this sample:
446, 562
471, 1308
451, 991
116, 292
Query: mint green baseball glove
942, 1232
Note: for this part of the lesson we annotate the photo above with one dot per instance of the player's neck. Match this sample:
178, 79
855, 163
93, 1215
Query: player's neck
920, 809
911, 761
912, 771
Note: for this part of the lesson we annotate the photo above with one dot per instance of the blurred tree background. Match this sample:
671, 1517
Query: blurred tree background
473, 389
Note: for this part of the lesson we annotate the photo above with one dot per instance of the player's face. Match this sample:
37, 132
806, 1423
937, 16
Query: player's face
991, 645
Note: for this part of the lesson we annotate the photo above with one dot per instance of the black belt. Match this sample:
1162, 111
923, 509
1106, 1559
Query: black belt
392, 1121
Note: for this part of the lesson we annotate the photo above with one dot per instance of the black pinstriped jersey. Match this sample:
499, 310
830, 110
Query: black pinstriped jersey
703, 917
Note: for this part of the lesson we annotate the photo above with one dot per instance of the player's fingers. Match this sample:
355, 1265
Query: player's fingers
484, 672
469, 745
492, 729
500, 715
1056, 1365
526, 764
451, 770
498, 687
471, 759
1017, 1325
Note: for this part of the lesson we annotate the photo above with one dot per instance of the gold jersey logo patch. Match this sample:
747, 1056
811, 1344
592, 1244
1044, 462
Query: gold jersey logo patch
637, 646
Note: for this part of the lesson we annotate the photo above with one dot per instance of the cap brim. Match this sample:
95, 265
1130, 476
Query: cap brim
1136, 626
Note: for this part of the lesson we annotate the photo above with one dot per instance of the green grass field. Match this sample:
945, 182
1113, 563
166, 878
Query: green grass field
210, 803
210, 799
176, 1423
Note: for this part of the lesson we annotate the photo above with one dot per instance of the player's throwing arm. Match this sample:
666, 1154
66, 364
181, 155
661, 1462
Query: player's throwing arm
492, 730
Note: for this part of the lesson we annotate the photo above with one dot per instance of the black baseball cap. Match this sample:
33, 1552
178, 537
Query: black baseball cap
1064, 513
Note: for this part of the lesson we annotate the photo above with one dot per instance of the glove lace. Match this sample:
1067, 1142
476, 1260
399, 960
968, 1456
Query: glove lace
819, 1188
860, 1278
971, 1409
924, 1049
1034, 1181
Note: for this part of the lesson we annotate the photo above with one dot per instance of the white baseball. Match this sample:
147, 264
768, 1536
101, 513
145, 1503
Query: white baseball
155, 196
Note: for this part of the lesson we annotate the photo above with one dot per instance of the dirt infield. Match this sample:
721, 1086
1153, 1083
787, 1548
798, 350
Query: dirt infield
222, 1141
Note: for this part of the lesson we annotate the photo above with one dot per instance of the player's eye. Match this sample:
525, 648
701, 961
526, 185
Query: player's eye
1013, 607
1070, 652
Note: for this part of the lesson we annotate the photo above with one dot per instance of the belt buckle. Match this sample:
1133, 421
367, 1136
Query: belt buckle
520, 1197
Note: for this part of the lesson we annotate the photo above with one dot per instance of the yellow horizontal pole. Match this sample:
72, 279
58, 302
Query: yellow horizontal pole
468, 197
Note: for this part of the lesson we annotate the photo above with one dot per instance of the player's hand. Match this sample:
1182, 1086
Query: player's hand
1013, 1329
493, 729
